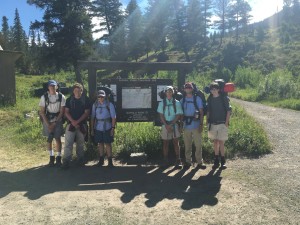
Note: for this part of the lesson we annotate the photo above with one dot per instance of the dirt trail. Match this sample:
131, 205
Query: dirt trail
258, 191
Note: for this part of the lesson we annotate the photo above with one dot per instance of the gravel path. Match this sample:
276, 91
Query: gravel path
277, 174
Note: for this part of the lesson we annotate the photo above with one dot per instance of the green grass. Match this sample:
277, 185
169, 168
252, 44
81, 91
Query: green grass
249, 94
284, 103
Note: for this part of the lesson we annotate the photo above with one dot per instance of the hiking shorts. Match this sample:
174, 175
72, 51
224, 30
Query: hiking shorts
165, 135
103, 137
218, 132
58, 131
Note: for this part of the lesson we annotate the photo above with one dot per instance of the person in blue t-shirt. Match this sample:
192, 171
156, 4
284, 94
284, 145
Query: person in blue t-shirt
170, 112
192, 125
103, 121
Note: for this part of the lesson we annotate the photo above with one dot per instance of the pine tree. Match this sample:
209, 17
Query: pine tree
239, 16
178, 27
68, 31
18, 34
194, 22
111, 19
206, 17
134, 23
221, 12
19, 42
158, 18
5, 33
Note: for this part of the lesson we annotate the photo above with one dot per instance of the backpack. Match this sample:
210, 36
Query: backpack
197, 92
176, 96
109, 99
46, 97
224, 89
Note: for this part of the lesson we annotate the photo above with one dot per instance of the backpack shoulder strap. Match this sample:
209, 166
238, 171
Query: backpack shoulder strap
174, 104
195, 102
164, 105
46, 98
59, 97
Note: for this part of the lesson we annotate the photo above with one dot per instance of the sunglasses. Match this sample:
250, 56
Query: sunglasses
100, 96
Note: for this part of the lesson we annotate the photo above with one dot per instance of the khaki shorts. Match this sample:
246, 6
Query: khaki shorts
165, 135
218, 132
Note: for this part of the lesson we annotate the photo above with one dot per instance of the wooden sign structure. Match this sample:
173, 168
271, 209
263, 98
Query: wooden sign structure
136, 99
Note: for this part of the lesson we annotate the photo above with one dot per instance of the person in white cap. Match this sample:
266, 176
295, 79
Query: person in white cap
52, 105
103, 122
170, 111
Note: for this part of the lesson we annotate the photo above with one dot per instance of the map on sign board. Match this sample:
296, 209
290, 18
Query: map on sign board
136, 98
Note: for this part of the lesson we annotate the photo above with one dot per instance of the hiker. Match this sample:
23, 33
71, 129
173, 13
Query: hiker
218, 115
103, 122
170, 111
52, 105
192, 107
77, 111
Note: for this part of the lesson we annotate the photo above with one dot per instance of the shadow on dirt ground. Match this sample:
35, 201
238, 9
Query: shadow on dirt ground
155, 183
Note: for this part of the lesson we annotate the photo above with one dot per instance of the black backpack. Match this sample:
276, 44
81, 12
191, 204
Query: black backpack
197, 92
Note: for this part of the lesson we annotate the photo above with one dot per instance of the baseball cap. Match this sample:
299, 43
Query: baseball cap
52, 83
188, 85
101, 93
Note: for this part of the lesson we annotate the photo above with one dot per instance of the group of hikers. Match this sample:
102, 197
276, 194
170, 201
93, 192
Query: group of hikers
177, 117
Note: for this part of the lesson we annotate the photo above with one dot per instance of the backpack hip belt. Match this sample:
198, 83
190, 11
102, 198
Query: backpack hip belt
51, 116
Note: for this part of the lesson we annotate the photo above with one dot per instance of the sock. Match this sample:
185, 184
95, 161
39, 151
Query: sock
58, 153
51, 152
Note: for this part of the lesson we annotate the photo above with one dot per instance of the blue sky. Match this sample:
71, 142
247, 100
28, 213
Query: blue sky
260, 10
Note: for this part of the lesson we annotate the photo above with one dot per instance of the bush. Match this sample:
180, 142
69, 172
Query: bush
247, 77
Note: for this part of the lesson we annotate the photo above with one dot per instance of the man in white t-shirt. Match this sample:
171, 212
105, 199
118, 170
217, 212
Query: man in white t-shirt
52, 106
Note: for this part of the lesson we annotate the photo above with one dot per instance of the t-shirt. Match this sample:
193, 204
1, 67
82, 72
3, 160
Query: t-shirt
54, 104
218, 108
77, 107
189, 110
169, 112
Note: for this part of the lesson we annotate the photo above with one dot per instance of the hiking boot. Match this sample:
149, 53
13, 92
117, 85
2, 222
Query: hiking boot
216, 163
223, 163
65, 165
177, 163
51, 162
186, 165
110, 163
201, 166
101, 161
80, 162
58, 161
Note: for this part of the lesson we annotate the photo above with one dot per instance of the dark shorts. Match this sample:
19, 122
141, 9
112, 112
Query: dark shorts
103, 137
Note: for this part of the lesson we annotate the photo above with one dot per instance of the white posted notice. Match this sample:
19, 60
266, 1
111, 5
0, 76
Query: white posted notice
136, 98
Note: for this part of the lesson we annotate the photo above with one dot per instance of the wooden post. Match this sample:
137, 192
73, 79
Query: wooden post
181, 78
92, 80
